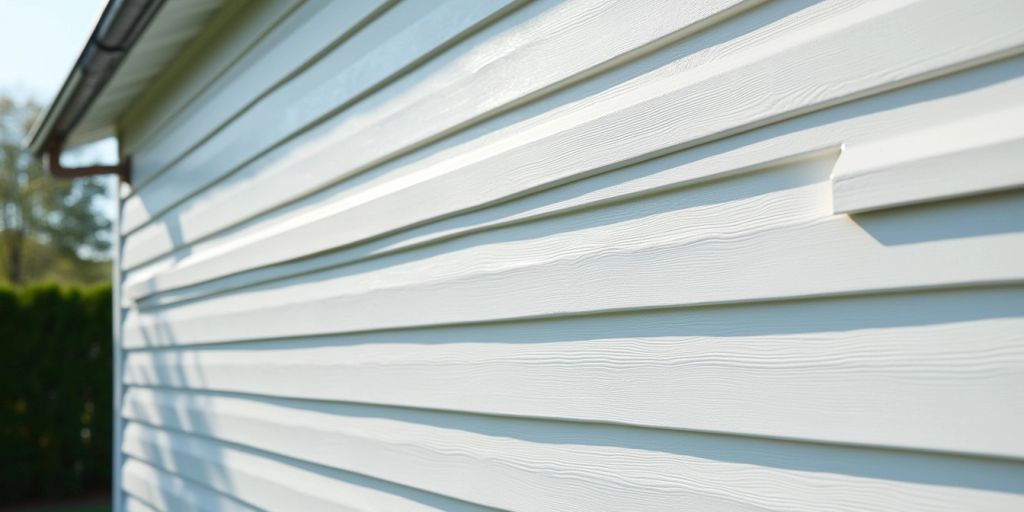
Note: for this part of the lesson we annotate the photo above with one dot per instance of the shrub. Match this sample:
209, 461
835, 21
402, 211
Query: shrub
55, 391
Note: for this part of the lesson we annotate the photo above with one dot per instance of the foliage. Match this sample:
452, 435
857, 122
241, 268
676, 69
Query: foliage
37, 209
55, 391
44, 264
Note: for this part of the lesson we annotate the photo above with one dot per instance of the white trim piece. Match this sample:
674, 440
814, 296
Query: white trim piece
117, 306
975, 155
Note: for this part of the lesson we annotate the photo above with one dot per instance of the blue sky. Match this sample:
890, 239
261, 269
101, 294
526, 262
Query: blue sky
39, 43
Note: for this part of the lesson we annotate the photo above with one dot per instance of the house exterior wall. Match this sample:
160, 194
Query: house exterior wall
579, 255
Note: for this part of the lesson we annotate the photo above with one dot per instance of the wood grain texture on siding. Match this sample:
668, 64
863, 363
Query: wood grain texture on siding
400, 38
519, 464
533, 51
760, 237
982, 90
795, 75
817, 370
271, 482
165, 492
465, 255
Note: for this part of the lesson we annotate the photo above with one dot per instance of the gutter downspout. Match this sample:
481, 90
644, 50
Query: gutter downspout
123, 169
120, 25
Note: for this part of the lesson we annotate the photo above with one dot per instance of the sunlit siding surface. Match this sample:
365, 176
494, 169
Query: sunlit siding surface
579, 255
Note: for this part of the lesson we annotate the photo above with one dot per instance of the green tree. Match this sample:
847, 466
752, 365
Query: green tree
50, 220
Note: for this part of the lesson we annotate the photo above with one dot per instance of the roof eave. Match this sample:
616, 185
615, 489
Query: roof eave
117, 29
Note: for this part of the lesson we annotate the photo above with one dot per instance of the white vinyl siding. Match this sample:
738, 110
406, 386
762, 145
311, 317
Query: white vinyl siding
580, 255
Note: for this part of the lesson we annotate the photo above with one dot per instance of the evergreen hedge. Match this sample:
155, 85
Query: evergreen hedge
55, 391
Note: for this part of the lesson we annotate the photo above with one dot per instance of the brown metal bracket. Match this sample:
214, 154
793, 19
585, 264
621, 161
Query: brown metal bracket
122, 170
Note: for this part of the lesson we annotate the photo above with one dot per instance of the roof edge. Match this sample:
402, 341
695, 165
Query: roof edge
116, 31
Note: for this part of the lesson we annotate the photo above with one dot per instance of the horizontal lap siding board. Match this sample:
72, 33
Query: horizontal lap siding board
520, 464
759, 237
817, 370
989, 88
794, 75
271, 482
551, 51
166, 492
236, 29
463, 255
133, 504
304, 31
976, 154
398, 39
